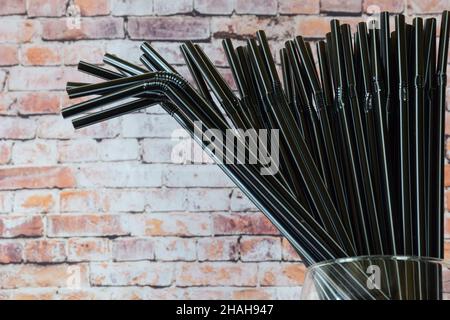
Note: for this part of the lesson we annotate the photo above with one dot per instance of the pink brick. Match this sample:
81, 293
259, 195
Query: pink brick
174, 224
130, 249
17, 128
35, 152
18, 30
36, 178
436, 6
216, 274
91, 51
168, 28
84, 200
98, 28
38, 103
143, 273
218, 248
10, 252
393, 6
119, 149
240, 223
9, 7
237, 27
46, 8
131, 7
21, 226
262, 7
41, 55
299, 7
40, 251
352, 6
36, 78
175, 249
260, 248
40, 276
289, 252
253, 294
8, 55
88, 249
281, 274
82, 150
162, 7
5, 151
87, 225
35, 201
215, 7
93, 8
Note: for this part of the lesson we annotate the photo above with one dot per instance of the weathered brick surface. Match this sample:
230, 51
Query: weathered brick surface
112, 211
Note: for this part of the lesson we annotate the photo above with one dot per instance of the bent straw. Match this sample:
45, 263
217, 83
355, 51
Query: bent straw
403, 136
97, 71
430, 118
438, 178
122, 65
355, 194
360, 145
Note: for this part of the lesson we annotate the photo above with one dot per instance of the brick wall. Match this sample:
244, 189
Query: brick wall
102, 212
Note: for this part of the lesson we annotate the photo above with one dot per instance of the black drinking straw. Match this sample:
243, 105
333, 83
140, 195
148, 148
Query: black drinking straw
349, 162
418, 145
437, 187
122, 65
360, 146
431, 113
97, 71
403, 136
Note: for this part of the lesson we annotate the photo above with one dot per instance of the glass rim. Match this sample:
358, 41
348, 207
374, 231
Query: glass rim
322, 264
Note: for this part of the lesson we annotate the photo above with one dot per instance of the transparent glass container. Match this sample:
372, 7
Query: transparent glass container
378, 278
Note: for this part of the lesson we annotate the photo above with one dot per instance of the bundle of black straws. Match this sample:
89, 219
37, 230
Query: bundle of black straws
361, 132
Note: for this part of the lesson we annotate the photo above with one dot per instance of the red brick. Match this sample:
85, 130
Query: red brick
80, 201
218, 249
41, 55
261, 7
46, 8
33, 294
216, 274
299, 7
36, 177
435, 6
9, 7
10, 252
93, 8
85, 249
21, 226
393, 6
175, 224
38, 103
215, 7
40, 251
34, 201
86, 225
352, 6
288, 251
281, 274
260, 248
253, 294
36, 78
447, 175
240, 223
142, 273
98, 28
164, 7
8, 55
18, 30
5, 152
447, 250
318, 26
34, 276
129, 249
175, 249
35, 152
447, 227
17, 128
88, 51
237, 27
168, 28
